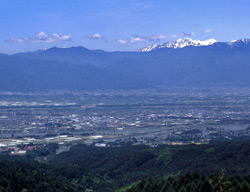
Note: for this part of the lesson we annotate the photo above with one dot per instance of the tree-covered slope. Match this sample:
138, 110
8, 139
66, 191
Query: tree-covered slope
107, 169
28, 177
192, 183
129, 164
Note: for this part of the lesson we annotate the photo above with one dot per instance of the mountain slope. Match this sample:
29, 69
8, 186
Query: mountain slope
217, 64
187, 63
19, 74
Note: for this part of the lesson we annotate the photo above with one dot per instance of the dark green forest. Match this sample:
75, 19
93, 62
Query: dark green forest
209, 167
192, 183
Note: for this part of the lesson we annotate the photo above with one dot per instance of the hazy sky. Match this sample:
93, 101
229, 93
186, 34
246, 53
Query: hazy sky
122, 25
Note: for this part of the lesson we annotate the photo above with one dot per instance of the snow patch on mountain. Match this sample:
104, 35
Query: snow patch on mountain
180, 43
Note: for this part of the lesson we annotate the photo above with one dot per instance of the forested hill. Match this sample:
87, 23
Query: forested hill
31, 177
128, 164
192, 183
129, 167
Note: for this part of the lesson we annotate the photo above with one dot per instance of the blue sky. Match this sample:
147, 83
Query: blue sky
118, 25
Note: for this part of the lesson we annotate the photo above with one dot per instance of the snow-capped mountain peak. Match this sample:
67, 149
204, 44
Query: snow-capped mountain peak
244, 41
240, 42
180, 43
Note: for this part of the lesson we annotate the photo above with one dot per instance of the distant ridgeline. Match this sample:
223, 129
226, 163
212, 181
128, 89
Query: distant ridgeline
185, 62
210, 167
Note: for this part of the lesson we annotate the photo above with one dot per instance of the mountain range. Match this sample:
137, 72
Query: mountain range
180, 43
184, 62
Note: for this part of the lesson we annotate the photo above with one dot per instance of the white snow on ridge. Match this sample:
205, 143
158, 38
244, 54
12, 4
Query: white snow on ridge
238, 42
180, 43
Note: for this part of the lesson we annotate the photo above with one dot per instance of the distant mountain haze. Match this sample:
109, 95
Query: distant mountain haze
21, 74
184, 62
